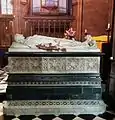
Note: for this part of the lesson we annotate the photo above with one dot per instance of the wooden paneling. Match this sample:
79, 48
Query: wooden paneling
53, 26
77, 13
6, 25
95, 17
110, 10
20, 10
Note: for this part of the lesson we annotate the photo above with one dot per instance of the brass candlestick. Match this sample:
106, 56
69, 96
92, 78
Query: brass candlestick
108, 32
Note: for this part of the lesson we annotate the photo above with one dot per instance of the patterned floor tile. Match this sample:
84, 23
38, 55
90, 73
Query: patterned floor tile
47, 117
16, 119
67, 117
57, 118
78, 118
87, 116
107, 116
98, 118
23, 117
36, 118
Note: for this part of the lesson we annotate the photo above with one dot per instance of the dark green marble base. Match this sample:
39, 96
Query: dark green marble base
54, 86
53, 93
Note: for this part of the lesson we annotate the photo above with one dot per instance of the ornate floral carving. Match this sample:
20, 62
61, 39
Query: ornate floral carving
24, 64
75, 64
92, 64
54, 64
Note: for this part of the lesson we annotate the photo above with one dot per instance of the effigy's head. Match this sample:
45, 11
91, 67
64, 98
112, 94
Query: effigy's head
19, 38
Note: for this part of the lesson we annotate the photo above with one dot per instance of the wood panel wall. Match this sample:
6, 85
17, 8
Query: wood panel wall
89, 14
77, 13
93, 15
6, 32
20, 10
96, 16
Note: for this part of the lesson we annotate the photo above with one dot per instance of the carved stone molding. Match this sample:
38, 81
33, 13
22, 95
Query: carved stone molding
55, 107
53, 65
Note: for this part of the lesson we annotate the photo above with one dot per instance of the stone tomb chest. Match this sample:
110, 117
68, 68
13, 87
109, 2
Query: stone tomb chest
53, 83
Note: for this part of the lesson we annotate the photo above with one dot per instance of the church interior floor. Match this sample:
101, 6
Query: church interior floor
62, 117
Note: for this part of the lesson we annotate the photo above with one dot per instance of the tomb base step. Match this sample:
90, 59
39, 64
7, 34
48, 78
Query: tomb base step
55, 107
